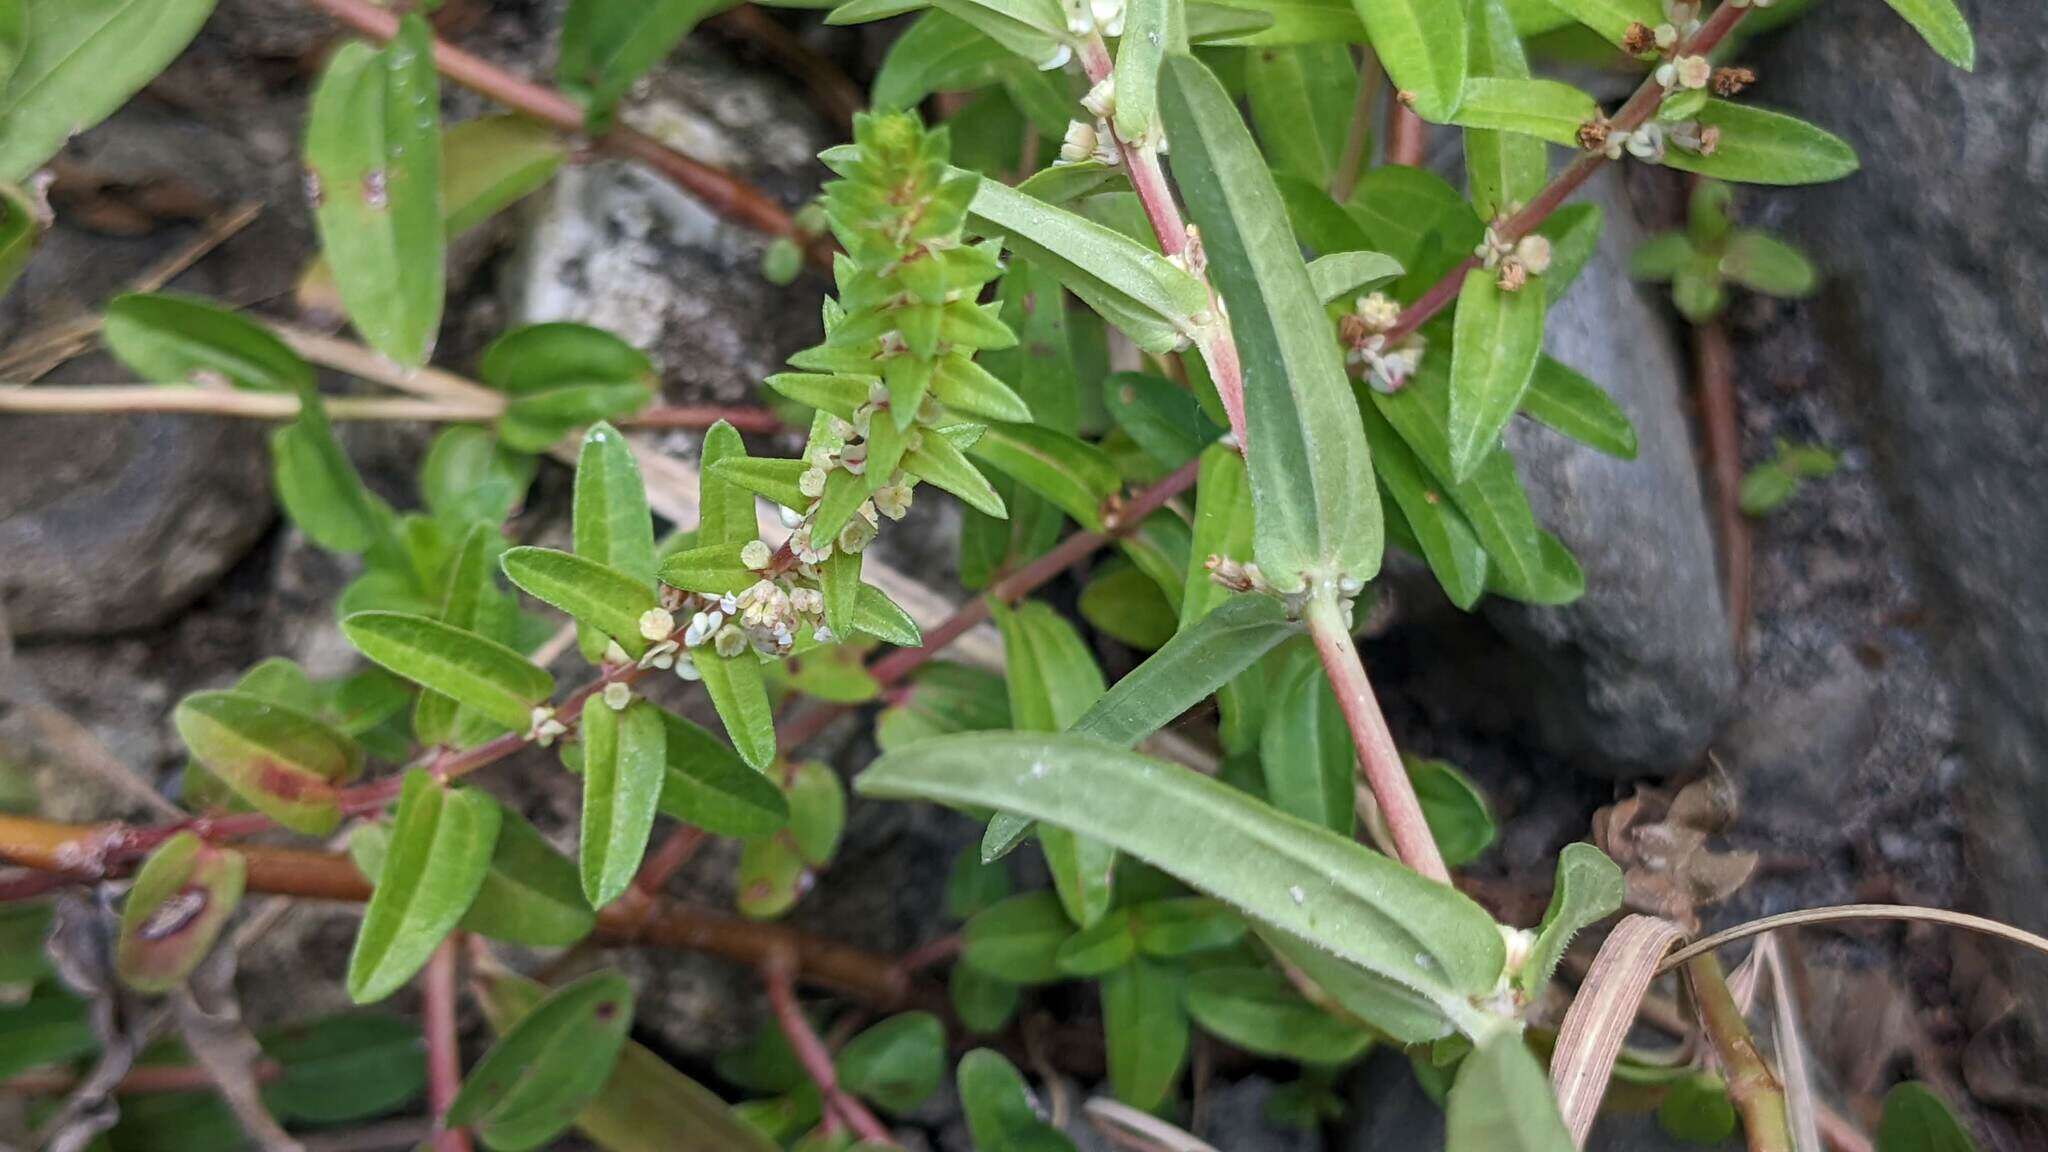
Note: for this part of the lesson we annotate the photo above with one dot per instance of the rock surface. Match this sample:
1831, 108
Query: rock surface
1938, 249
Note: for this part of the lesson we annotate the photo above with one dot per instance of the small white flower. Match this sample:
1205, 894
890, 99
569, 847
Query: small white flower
756, 555
1667, 36
617, 695
1693, 71
855, 536
729, 604
790, 517
1647, 142
893, 501
686, 668
807, 600
1379, 312
1079, 144
545, 728
824, 635
657, 624
662, 655
702, 627
730, 642
1101, 99
613, 654
1535, 254
812, 482
1057, 58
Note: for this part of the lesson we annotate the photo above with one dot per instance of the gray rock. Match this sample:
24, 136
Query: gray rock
1236, 1120
1633, 677
110, 524
1936, 254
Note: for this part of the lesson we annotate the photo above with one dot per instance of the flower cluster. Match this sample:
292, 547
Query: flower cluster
1365, 329
1514, 260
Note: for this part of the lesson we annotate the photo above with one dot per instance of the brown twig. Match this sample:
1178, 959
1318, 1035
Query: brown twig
444, 1046
779, 971
1720, 424
722, 193
1639, 108
832, 90
1407, 136
1752, 1087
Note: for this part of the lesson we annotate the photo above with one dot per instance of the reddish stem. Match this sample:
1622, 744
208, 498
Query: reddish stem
444, 1048
745, 418
779, 971
1407, 136
1381, 761
723, 193
931, 955
1640, 107
1714, 367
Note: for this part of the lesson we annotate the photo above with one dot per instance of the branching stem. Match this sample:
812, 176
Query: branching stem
444, 1049
778, 971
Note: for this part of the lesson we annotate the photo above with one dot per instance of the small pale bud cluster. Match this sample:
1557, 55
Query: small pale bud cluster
617, 695
757, 555
1689, 72
1085, 141
1681, 20
1645, 143
1515, 262
1085, 16
1237, 575
545, 729
1692, 136
1101, 99
657, 624
1387, 368
1191, 258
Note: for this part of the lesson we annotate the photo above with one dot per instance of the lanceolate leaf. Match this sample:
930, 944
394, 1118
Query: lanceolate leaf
1072, 473
1758, 146
1501, 1102
181, 899
1302, 101
1611, 18
1305, 750
491, 163
1916, 1120
1318, 509
1256, 1009
612, 525
1546, 109
1568, 403
172, 339
284, 762
1018, 940
345, 1067
1223, 528
1152, 28
740, 695
373, 169
1306, 881
469, 578
1342, 273
529, 1087
1499, 336
1199, 660
897, 1063
80, 60
1443, 533
1942, 25
441, 842
625, 763
594, 593
608, 44
481, 674
530, 895
320, 489
1146, 1030
710, 786
1502, 169
1001, 1114
1422, 44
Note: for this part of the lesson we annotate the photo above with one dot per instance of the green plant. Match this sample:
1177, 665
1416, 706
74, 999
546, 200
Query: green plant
1330, 354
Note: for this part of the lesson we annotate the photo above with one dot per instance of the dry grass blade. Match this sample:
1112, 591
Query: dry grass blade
1601, 1015
1127, 1127
1941, 916
1794, 1069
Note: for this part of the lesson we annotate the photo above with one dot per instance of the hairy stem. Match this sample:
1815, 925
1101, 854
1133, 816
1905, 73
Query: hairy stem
1640, 107
1377, 756
444, 1049
723, 193
779, 971
1752, 1087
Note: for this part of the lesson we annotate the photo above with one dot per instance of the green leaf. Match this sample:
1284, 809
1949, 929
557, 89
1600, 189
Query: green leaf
51, 1027
320, 489
1759, 146
561, 376
713, 570
1256, 1009
609, 44
1305, 749
612, 525
1574, 235
469, 476
983, 1003
1400, 209
1101, 948
1018, 940
1501, 1102
725, 510
373, 164
1568, 403
1942, 25
1302, 102
1457, 813
1223, 527
1611, 18
1156, 303
1164, 419
1589, 889
1546, 109
1075, 475
1767, 488
1422, 45
1498, 339
534, 421
530, 896
172, 339
13, 37
1445, 536
1696, 1110
181, 898
1146, 1030
491, 163
1152, 28
342, 1068
708, 785
595, 593
284, 762
936, 460
625, 763
532, 1083
1002, 1116
1033, 29
441, 843
1764, 263
1917, 1120
1205, 656
1502, 169
1185, 925
878, 616
1339, 895
81, 60
22, 224
480, 674
740, 696
1123, 603
1311, 471
938, 52
897, 1063
645, 1106
1342, 273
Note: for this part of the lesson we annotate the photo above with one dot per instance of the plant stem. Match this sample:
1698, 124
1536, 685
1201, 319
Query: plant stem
444, 1048
834, 93
1407, 136
1752, 1087
1371, 78
1720, 425
722, 193
1377, 756
779, 971
1640, 107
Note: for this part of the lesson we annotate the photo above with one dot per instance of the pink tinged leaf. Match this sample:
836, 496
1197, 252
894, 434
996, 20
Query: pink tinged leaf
181, 899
